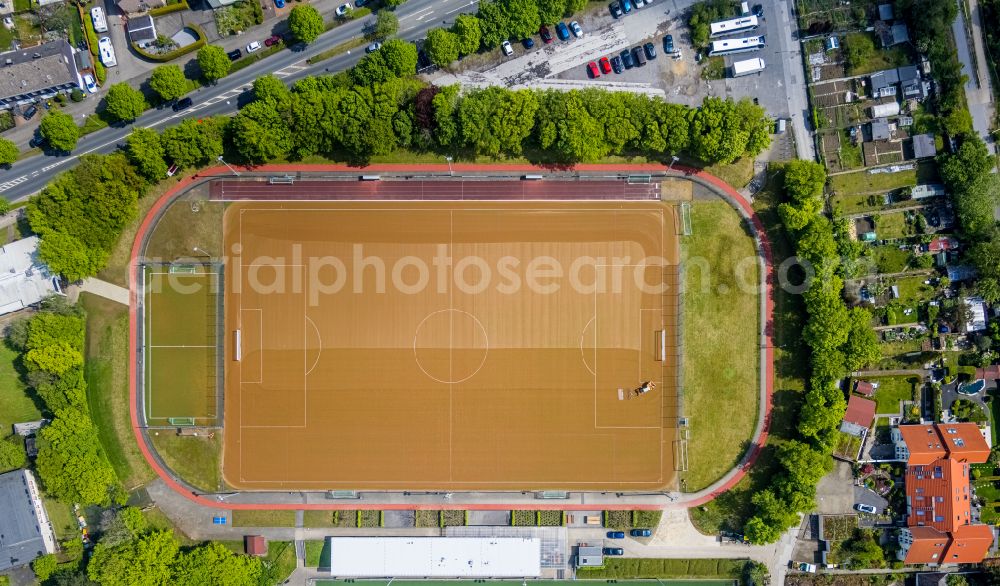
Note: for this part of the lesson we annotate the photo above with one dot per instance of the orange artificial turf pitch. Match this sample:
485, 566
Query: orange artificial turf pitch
458, 372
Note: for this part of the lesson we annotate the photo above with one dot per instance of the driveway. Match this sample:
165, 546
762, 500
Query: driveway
129, 65
835, 491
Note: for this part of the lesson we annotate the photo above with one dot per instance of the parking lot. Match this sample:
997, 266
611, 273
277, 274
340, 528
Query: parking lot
563, 64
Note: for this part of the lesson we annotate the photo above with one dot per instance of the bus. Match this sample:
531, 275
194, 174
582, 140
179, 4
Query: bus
97, 16
748, 66
730, 46
736, 25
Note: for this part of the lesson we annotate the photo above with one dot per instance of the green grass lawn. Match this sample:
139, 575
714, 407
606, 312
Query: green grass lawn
890, 258
863, 182
281, 559
843, 203
897, 315
16, 405
891, 390
62, 518
892, 226
720, 397
157, 519
664, 568
913, 289
882, 59
317, 554
195, 459
107, 387
242, 518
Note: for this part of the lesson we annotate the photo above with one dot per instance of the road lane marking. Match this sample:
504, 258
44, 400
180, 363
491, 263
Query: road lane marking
13, 182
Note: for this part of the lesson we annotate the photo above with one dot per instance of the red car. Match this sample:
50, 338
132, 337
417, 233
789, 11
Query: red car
593, 70
605, 65
546, 35
272, 40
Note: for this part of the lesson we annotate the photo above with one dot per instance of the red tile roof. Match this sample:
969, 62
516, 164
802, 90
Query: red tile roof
860, 411
989, 373
942, 243
938, 495
970, 544
864, 387
961, 441
928, 546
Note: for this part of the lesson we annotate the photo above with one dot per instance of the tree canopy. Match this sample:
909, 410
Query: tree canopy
213, 62
124, 103
145, 151
71, 462
59, 130
305, 23
8, 151
168, 82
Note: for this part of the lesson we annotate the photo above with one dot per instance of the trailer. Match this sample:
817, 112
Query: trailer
97, 17
741, 68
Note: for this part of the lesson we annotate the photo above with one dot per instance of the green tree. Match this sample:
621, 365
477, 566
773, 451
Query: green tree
858, 50
192, 144
168, 82
804, 181
59, 130
213, 62
56, 358
397, 58
44, 566
145, 151
70, 460
551, 11
494, 23
12, 455
974, 206
214, 565
971, 162
67, 256
268, 88
862, 347
386, 24
260, 133
145, 561
392, 3
305, 23
8, 152
442, 46
125, 103
469, 31
445, 107
756, 574
497, 120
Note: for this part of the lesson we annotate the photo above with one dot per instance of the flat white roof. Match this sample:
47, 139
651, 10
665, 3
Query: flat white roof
435, 557
24, 279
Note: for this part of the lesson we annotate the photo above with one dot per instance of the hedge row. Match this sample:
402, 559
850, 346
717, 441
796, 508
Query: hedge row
176, 7
171, 55
653, 568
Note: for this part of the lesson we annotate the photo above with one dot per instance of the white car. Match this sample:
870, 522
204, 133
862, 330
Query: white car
107, 51
343, 9
638, 3
373, 47
871, 510
575, 27
506, 48
88, 80
254, 47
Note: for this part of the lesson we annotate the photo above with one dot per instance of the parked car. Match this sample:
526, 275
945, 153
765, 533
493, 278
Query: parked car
545, 34
650, 50
616, 64
863, 508
36, 142
640, 533
30, 112
626, 6
668, 44
638, 3
616, 9
605, 65
592, 70
235, 54
342, 10
272, 40
88, 80
563, 31
627, 60
640, 58
616, 535
614, 551
575, 27
758, 10
279, 3
360, 3
373, 47
254, 47
528, 43
182, 104
506, 48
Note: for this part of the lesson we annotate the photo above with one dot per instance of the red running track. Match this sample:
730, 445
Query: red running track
698, 499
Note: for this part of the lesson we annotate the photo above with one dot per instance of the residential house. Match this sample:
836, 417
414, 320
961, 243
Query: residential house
885, 12
39, 72
977, 314
926, 190
940, 528
883, 83
942, 244
142, 30
890, 35
24, 279
990, 373
859, 416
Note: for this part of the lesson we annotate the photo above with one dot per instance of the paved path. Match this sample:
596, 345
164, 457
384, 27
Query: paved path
878, 373
979, 96
105, 289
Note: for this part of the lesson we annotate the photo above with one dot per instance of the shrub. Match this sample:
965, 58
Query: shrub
522, 518
426, 519
646, 519
617, 519
452, 518
550, 518
176, 7
171, 55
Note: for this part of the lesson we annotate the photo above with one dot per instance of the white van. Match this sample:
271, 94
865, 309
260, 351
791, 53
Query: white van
97, 17
744, 8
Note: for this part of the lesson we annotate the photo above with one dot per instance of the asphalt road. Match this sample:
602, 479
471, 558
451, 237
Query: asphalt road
416, 17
